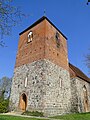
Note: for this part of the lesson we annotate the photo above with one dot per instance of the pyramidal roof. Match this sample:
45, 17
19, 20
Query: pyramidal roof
40, 20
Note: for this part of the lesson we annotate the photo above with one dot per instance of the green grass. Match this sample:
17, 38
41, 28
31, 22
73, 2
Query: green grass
78, 116
82, 116
8, 117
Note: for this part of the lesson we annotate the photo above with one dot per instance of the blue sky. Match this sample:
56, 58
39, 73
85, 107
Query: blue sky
72, 17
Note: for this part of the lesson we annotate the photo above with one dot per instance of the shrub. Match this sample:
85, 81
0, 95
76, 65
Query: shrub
33, 113
4, 105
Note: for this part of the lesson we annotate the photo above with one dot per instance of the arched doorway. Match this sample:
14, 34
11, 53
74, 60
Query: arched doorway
23, 102
85, 99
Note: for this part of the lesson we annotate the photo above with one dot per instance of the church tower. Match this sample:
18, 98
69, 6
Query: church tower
41, 80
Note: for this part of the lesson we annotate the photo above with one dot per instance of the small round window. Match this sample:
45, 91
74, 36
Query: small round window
30, 36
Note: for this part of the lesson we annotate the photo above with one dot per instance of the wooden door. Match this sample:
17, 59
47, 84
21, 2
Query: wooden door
23, 102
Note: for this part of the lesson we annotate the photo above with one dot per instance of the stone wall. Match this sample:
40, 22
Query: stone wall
58, 92
48, 88
77, 86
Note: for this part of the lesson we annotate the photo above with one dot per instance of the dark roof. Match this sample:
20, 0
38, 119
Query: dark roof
79, 73
40, 20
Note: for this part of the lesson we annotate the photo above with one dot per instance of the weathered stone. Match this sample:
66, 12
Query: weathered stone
77, 86
43, 79
46, 95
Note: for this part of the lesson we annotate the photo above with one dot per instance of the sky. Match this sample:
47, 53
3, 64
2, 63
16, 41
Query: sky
72, 17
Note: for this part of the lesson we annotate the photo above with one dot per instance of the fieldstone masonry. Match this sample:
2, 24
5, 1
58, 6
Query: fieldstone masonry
43, 79
44, 91
77, 86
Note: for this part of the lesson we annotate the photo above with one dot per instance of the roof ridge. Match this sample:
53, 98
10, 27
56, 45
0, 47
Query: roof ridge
40, 20
79, 73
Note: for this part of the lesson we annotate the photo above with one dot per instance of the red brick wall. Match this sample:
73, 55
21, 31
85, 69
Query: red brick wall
29, 52
52, 52
42, 46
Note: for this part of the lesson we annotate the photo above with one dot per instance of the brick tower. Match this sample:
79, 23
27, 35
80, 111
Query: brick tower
41, 80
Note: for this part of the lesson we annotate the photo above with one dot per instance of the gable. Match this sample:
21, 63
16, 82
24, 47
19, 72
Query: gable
77, 73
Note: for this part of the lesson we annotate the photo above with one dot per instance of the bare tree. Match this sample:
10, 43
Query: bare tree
87, 61
9, 16
88, 2
5, 86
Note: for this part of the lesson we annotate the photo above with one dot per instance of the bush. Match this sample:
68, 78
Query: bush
4, 105
33, 113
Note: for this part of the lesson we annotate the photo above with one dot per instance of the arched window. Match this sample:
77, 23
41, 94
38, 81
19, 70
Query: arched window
30, 36
85, 98
26, 80
57, 36
85, 91
60, 83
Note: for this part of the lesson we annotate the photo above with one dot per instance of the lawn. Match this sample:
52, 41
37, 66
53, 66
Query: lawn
82, 116
8, 117
79, 116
